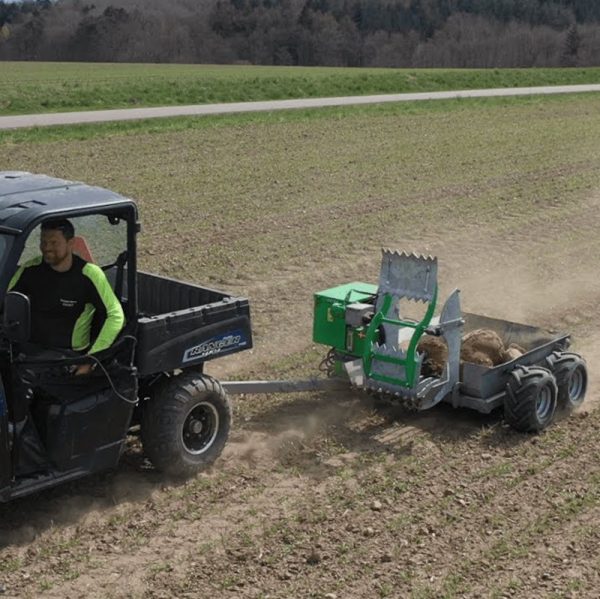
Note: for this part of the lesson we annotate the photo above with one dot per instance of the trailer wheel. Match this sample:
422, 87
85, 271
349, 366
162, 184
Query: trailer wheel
570, 371
531, 398
185, 424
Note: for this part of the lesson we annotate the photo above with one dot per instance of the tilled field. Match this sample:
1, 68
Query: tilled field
323, 495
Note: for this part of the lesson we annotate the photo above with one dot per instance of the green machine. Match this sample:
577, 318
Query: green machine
370, 340
376, 347
333, 307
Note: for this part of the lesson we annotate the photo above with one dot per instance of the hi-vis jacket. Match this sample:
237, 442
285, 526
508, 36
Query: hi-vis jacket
68, 307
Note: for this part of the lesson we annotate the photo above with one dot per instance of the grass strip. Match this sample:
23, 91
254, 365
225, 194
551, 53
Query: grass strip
34, 87
176, 124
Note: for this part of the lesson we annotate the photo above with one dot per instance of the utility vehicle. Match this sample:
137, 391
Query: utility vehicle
152, 376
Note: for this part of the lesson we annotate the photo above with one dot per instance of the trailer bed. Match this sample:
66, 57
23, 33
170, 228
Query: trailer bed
483, 388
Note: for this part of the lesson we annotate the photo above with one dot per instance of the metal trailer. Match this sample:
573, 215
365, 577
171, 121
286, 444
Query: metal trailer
485, 389
530, 388
377, 349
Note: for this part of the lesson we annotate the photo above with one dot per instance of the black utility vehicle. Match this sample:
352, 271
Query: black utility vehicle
151, 379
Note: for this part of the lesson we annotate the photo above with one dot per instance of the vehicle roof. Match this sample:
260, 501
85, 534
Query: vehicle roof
27, 198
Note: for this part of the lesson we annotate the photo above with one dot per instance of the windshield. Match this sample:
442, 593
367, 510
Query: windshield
97, 239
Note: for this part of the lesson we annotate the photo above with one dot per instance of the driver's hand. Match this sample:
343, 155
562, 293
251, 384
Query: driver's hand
83, 369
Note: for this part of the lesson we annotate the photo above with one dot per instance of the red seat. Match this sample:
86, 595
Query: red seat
82, 249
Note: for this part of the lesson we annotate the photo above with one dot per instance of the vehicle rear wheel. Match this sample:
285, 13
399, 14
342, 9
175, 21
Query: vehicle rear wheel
531, 398
570, 371
185, 424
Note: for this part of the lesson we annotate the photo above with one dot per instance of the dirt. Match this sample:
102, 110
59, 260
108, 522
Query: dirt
436, 354
482, 346
330, 496
512, 352
322, 496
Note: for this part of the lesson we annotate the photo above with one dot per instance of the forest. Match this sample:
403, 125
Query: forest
355, 33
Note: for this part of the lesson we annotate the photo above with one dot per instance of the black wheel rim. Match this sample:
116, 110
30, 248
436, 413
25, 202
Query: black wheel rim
200, 428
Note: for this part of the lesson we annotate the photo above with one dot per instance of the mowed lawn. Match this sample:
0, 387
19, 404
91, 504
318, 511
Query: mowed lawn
30, 87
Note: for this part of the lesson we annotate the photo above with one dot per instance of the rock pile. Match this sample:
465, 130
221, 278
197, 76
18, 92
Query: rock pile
481, 346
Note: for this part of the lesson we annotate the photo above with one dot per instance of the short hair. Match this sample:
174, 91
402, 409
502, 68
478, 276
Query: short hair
60, 224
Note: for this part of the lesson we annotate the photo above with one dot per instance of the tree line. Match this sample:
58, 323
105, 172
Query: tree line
370, 33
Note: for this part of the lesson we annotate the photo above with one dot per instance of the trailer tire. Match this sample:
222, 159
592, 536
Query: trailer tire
531, 398
185, 424
570, 371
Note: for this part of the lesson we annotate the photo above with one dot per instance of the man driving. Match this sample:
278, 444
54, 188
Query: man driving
70, 298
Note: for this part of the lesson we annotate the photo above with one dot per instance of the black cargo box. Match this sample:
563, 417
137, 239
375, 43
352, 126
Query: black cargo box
183, 325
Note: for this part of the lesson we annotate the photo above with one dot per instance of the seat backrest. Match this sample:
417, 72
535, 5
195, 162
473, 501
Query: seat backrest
82, 249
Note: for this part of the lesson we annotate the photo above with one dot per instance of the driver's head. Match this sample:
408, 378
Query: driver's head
56, 241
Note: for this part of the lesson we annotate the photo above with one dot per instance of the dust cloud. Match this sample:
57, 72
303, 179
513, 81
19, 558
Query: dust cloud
292, 424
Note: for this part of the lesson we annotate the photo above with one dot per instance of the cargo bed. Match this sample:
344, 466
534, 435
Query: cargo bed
182, 324
483, 388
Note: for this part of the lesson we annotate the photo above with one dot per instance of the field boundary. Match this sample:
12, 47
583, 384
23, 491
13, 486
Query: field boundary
128, 114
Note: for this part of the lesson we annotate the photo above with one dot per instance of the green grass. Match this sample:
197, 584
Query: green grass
178, 124
30, 87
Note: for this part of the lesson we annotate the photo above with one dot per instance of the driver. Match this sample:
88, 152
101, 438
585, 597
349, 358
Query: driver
68, 295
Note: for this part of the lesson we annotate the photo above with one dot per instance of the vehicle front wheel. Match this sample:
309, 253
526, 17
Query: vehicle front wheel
185, 424
531, 398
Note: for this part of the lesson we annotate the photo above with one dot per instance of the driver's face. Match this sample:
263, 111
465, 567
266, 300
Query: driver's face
54, 247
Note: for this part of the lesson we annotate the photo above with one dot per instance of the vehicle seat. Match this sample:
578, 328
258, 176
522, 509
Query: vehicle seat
82, 249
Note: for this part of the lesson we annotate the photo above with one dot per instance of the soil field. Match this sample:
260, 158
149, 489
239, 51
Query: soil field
34, 87
322, 495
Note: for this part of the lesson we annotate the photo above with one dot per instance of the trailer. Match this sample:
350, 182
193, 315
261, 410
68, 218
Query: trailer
376, 348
